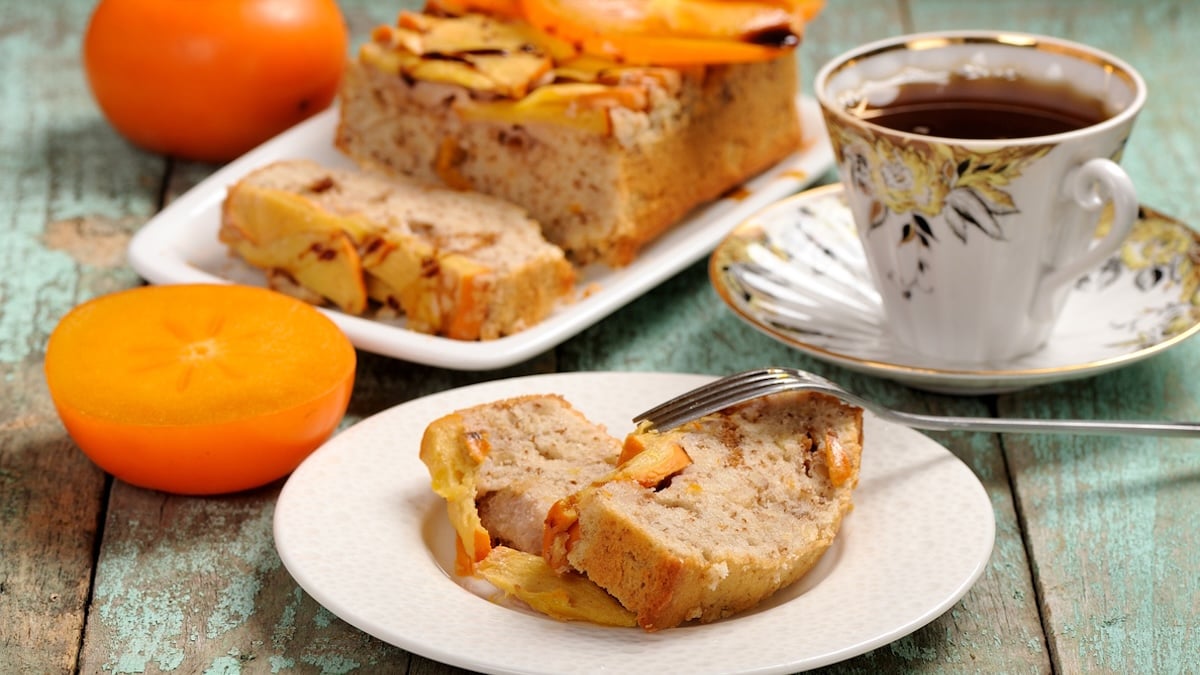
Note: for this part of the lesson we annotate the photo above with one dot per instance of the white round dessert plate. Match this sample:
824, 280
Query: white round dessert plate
359, 528
180, 245
796, 271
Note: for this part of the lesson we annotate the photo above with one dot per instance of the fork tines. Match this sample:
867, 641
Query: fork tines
716, 395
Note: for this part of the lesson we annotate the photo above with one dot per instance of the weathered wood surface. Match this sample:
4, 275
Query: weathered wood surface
1093, 568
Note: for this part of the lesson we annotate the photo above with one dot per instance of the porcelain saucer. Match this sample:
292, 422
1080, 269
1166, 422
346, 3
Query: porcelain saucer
796, 271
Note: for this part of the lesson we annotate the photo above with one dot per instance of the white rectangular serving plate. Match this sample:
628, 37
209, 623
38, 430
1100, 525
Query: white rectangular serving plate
180, 245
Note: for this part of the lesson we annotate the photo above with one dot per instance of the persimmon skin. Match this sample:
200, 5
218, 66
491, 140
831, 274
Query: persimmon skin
199, 389
207, 459
211, 80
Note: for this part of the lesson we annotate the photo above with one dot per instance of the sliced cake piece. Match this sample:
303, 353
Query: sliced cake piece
760, 501
458, 264
693, 524
272, 220
500, 467
505, 463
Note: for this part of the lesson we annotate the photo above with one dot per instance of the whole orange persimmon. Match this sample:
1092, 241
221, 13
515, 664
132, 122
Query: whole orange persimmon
210, 80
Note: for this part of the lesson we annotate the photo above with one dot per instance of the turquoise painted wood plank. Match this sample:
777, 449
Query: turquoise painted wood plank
1111, 521
250, 609
70, 204
194, 585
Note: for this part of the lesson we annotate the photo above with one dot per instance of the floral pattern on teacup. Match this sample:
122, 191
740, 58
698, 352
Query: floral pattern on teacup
914, 185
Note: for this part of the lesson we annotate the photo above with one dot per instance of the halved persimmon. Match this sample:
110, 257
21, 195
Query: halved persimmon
675, 32
199, 389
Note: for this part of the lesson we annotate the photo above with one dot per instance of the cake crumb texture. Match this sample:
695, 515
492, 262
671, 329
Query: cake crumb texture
458, 264
752, 513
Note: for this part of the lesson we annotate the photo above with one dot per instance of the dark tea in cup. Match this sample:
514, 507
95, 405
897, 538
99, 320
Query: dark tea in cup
986, 108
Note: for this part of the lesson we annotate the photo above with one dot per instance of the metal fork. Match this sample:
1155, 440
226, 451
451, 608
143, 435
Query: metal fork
752, 384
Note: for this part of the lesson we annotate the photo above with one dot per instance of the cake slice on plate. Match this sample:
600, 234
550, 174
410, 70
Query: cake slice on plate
459, 264
692, 524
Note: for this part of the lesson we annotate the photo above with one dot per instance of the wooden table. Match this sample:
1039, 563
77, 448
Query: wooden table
1095, 566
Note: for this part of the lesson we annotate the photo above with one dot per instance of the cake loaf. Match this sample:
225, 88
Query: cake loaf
605, 156
463, 265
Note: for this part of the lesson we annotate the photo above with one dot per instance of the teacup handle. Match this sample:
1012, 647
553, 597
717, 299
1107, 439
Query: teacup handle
1091, 185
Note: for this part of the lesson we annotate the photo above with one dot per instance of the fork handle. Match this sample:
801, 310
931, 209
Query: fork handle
1093, 427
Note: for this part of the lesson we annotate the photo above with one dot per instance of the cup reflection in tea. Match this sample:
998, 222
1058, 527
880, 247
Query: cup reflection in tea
981, 169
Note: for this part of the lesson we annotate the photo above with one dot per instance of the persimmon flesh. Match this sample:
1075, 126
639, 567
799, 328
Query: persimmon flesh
199, 389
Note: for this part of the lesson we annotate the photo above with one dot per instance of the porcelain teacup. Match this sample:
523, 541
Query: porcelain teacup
978, 166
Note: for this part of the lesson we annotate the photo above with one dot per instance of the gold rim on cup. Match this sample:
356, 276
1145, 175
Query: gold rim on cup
915, 42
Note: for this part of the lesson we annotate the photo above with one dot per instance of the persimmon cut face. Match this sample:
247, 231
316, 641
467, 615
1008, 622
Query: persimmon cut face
199, 389
694, 18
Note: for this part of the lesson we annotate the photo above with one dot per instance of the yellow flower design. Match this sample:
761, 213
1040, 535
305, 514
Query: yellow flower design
1160, 251
1160, 257
931, 187
907, 177
967, 187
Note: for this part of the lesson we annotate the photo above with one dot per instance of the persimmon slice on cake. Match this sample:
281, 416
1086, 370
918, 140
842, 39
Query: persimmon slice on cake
675, 32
